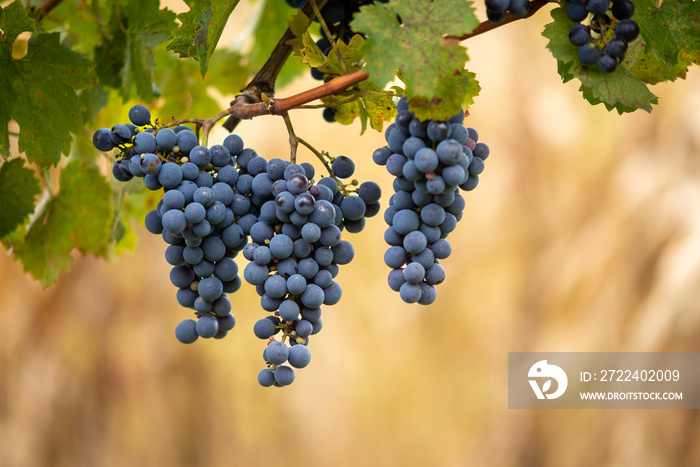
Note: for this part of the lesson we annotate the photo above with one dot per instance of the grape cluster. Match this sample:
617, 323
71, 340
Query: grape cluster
597, 43
432, 161
295, 254
195, 215
217, 199
496, 10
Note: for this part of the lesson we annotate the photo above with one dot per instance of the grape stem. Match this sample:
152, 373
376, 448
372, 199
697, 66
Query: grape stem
293, 143
487, 26
324, 160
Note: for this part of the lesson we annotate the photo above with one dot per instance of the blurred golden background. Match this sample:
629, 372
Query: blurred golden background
583, 235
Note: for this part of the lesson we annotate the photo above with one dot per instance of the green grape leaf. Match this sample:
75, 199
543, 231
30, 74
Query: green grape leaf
619, 90
670, 28
302, 44
648, 68
461, 85
433, 68
351, 53
78, 217
13, 21
81, 22
125, 58
367, 101
46, 105
200, 29
18, 188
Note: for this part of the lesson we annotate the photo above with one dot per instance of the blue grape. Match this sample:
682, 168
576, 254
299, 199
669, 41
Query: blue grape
166, 139
170, 175
120, 134
234, 144
608, 63
200, 156
181, 276
139, 115
173, 255
343, 167
414, 273
210, 288
284, 375
588, 54
153, 222
289, 310
102, 139
226, 322
192, 255
410, 293
144, 142
381, 155
186, 331
579, 34
186, 141
299, 355
313, 296
174, 221
598, 7
207, 326
577, 11
332, 293
264, 328
266, 377
277, 352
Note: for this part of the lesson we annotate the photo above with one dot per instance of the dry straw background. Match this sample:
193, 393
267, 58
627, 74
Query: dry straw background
584, 235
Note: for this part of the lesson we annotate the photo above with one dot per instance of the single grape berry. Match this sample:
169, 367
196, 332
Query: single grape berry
139, 115
622, 9
579, 35
598, 7
588, 54
102, 139
616, 47
577, 11
608, 63
329, 112
627, 30
343, 167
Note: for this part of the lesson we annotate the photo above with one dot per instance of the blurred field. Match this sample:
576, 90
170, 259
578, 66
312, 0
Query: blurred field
584, 235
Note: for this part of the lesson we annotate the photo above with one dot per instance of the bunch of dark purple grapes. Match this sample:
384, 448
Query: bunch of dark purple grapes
432, 161
596, 41
217, 199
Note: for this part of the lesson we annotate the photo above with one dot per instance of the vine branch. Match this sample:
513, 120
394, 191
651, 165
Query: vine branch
49, 5
243, 110
264, 80
487, 26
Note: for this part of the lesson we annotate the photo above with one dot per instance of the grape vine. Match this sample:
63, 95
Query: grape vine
378, 61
